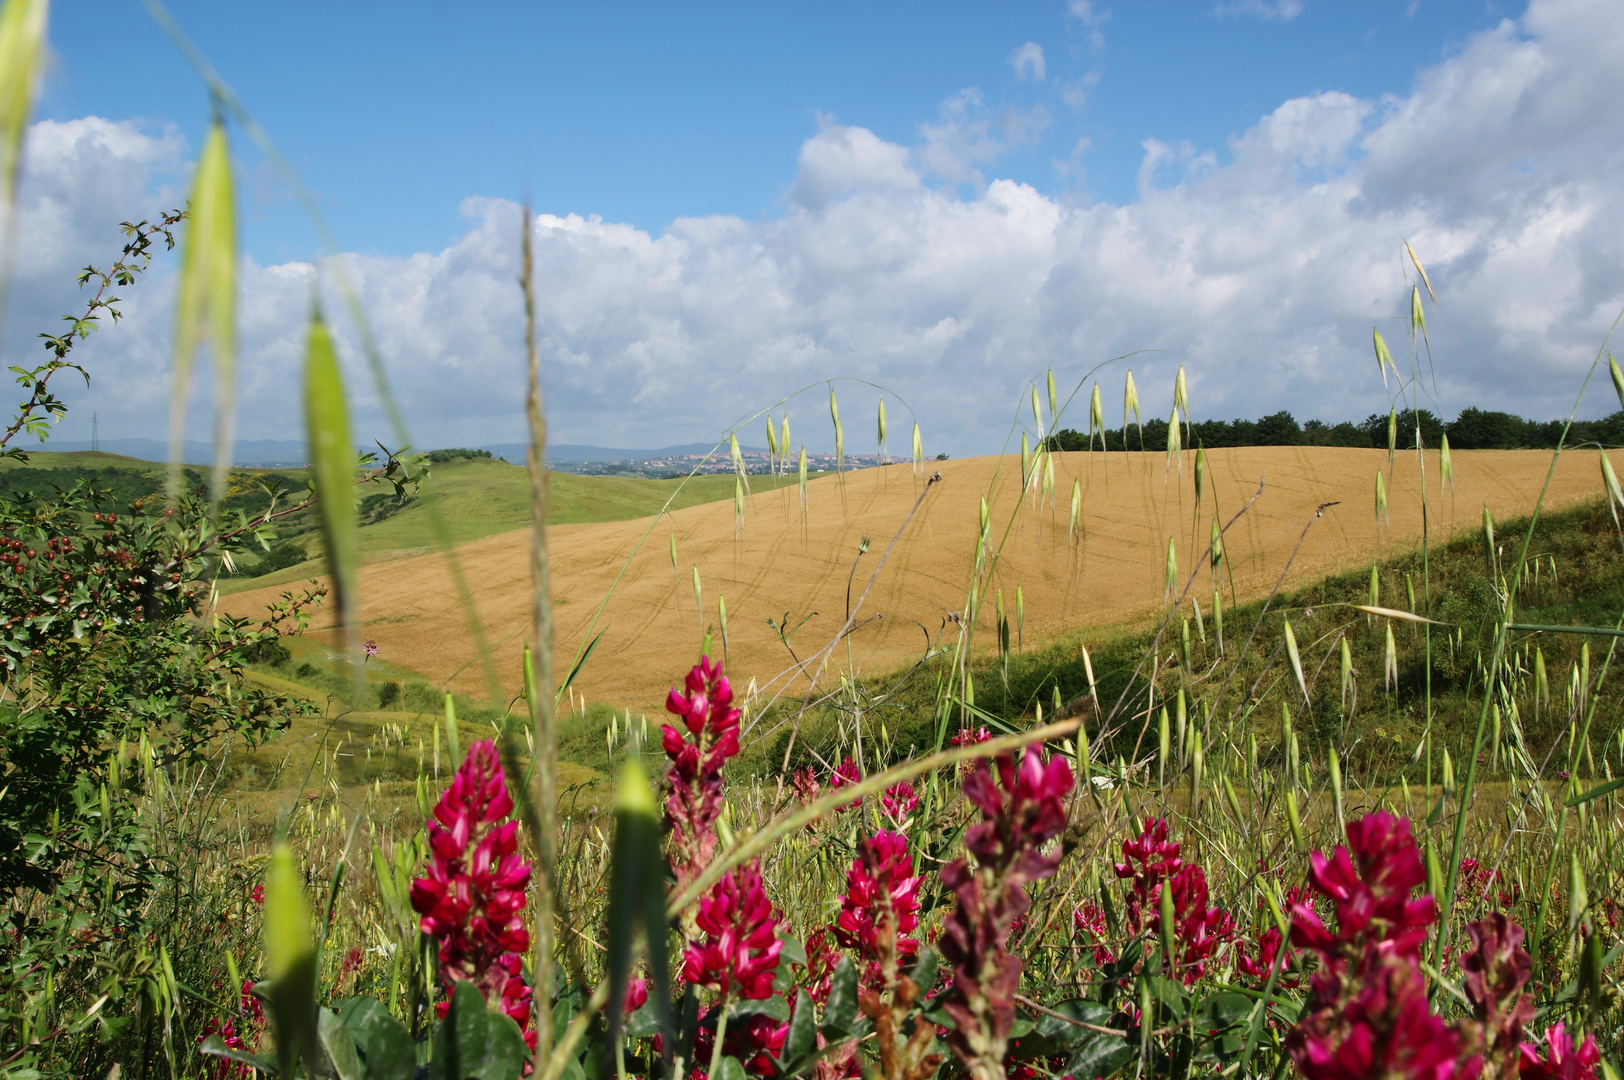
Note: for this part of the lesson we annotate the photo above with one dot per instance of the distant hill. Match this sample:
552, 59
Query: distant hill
289, 453
254, 453
577, 452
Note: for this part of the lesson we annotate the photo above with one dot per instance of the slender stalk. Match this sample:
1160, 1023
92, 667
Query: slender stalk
544, 774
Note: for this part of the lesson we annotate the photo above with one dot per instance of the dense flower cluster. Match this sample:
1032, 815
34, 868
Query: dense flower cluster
1151, 859
739, 952
1495, 970
845, 775
1088, 921
1368, 1013
472, 901
1153, 863
1561, 1060
1271, 946
1021, 810
252, 1016
899, 802
737, 957
880, 907
709, 736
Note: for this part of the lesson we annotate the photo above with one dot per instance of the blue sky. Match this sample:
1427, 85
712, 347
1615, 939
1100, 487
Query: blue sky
736, 202
643, 113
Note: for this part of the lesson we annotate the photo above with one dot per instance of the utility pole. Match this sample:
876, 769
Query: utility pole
95, 433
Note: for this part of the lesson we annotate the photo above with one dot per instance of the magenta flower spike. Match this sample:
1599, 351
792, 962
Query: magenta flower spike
739, 952
1153, 862
1368, 1013
880, 908
845, 775
1022, 808
473, 897
708, 736
1561, 1060
1496, 968
899, 802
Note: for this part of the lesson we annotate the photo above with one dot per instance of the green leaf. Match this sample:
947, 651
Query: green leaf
1051, 1035
801, 1038
730, 1069
290, 960
338, 1045
636, 894
214, 1046
643, 1023
1100, 1055
332, 460
1597, 792
774, 1007
1223, 1011
840, 1009
505, 1052
925, 970
22, 32
473, 1042
793, 952
384, 1042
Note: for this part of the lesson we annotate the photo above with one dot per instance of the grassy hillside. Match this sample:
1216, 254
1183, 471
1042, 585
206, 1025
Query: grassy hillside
480, 497
1383, 729
474, 498
782, 563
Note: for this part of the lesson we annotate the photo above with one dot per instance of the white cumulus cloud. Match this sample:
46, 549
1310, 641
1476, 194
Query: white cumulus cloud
1261, 266
1027, 61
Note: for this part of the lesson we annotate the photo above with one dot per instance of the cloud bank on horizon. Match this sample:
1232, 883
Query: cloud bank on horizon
1261, 269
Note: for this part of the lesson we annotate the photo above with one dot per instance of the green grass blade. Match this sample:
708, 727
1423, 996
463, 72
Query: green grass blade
332, 466
206, 303
22, 33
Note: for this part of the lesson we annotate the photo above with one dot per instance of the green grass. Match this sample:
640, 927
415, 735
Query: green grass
476, 498
1376, 737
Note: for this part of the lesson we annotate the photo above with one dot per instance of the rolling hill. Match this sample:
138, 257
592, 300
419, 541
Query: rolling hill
781, 564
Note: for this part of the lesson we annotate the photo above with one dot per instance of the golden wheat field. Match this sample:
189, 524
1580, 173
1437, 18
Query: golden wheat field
781, 563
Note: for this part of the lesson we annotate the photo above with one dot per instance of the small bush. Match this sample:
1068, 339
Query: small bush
421, 697
389, 695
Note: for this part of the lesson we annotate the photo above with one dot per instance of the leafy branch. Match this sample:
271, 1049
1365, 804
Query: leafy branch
43, 408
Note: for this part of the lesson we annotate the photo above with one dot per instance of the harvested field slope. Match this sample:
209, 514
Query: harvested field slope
781, 563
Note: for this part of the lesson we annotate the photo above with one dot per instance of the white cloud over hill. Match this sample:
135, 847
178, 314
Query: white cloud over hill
1261, 268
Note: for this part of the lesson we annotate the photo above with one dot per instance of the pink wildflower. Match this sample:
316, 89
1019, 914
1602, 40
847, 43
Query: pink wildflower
1562, 1060
753, 1040
370, 648
1198, 930
222, 1067
1496, 968
258, 895
845, 775
636, 996
899, 802
881, 907
473, 899
807, 787
1257, 968
1368, 1013
740, 951
1023, 809
1089, 923
709, 736
1158, 859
